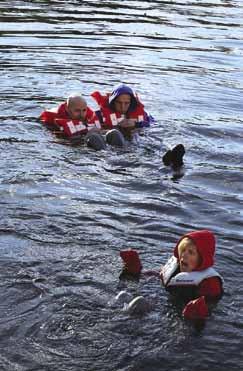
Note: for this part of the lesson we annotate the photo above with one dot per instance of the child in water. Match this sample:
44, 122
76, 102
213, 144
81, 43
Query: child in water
189, 274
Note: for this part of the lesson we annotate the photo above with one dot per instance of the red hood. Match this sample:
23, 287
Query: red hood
205, 242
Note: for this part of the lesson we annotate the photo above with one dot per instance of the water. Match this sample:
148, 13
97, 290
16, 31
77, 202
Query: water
67, 211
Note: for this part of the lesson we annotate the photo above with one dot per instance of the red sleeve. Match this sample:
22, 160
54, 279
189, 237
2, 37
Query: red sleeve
210, 287
48, 117
91, 117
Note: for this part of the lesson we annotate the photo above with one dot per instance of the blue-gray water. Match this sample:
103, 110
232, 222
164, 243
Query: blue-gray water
65, 212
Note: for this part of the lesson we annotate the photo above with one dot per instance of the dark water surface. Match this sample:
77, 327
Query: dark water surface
67, 211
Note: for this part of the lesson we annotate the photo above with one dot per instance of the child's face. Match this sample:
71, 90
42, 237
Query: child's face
189, 258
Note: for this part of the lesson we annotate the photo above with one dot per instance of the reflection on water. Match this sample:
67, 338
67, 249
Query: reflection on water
67, 211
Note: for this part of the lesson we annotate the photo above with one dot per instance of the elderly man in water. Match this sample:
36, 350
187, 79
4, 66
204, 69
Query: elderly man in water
76, 107
73, 119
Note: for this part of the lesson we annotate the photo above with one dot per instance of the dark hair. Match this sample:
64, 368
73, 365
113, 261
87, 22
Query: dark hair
132, 106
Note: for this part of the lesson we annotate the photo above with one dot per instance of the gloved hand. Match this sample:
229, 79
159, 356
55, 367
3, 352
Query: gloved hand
131, 261
196, 309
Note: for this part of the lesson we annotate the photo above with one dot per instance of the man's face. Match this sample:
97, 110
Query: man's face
122, 103
77, 110
189, 258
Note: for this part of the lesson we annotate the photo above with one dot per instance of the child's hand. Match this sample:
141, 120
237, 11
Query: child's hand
131, 261
196, 309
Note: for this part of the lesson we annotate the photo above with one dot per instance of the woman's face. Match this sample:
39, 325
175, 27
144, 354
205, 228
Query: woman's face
189, 258
122, 103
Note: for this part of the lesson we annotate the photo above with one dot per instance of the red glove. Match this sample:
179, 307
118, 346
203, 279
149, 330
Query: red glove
196, 309
131, 261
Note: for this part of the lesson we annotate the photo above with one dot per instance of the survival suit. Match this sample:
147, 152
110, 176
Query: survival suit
107, 115
58, 118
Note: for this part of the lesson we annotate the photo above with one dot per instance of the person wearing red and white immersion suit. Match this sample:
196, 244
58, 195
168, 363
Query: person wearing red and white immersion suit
74, 119
121, 113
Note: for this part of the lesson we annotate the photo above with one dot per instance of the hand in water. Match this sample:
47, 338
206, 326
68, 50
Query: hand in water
132, 264
196, 309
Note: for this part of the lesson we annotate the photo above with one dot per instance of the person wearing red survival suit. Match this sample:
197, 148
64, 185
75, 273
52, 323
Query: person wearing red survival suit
73, 119
188, 275
122, 113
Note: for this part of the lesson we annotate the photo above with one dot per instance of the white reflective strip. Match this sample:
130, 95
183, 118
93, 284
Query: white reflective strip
80, 127
193, 278
120, 119
71, 127
75, 128
114, 119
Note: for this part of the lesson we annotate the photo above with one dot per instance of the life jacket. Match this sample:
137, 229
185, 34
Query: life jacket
187, 284
110, 118
58, 118
184, 283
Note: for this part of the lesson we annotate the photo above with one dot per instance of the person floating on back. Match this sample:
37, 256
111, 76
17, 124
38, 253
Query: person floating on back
74, 119
188, 275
